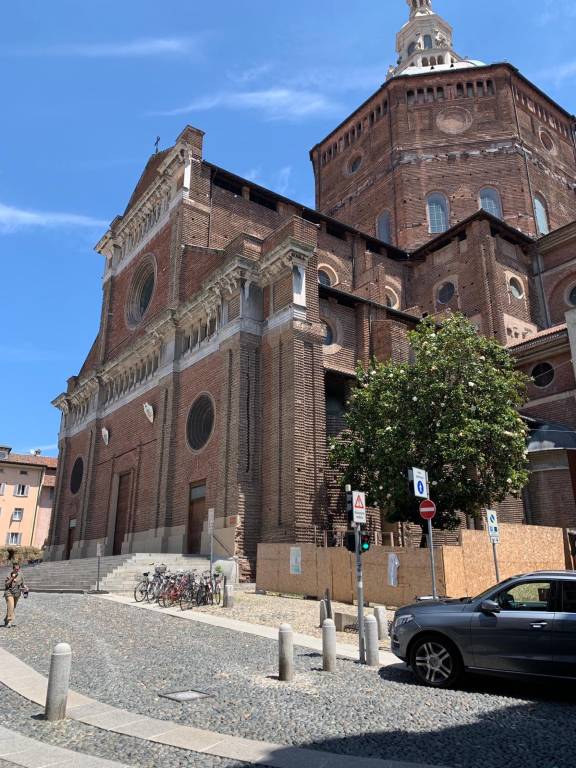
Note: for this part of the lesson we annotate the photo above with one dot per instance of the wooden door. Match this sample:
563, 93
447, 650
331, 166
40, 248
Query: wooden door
196, 516
122, 511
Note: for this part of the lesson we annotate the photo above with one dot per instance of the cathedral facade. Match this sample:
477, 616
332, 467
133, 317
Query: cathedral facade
233, 318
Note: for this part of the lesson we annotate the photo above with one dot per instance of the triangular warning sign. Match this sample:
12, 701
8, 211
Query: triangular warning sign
359, 503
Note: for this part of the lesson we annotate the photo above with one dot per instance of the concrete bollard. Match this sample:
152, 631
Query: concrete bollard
323, 612
285, 653
382, 621
371, 632
58, 680
228, 596
329, 646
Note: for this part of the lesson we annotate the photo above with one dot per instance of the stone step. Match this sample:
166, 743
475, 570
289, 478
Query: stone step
118, 573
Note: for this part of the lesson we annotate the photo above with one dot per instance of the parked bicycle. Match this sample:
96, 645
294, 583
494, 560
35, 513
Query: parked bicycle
151, 584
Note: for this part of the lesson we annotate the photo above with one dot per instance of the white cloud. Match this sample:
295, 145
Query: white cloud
13, 219
253, 174
146, 47
340, 80
274, 103
43, 448
554, 10
282, 182
250, 75
558, 73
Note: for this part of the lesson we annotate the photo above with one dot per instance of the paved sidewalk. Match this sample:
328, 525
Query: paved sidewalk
19, 750
21, 678
387, 658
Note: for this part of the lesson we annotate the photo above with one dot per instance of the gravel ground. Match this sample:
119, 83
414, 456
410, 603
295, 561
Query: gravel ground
303, 615
125, 657
26, 718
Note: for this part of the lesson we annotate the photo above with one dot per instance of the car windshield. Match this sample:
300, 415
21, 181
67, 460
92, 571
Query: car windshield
486, 592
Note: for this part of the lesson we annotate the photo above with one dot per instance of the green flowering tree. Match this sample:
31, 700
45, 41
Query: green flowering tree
452, 411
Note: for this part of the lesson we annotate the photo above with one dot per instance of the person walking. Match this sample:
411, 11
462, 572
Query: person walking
14, 587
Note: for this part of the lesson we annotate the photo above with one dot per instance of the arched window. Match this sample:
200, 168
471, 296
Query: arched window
437, 213
324, 278
428, 41
541, 215
411, 48
383, 227
490, 201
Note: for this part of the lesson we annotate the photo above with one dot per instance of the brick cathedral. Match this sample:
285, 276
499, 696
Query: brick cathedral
233, 318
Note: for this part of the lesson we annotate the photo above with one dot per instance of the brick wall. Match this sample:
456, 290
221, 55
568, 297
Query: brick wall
412, 142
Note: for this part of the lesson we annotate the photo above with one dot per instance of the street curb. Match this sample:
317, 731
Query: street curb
24, 680
386, 658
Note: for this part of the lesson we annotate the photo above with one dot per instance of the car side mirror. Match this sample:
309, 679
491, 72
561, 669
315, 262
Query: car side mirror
490, 606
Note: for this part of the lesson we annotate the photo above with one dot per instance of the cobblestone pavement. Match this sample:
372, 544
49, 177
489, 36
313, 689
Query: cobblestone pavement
303, 615
22, 716
125, 657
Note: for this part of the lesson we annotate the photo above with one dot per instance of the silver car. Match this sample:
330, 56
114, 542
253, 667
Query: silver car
525, 625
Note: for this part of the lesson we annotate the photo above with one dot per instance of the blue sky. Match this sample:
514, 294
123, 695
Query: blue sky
87, 86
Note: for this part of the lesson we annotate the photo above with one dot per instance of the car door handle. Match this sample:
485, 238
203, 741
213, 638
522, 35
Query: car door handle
539, 625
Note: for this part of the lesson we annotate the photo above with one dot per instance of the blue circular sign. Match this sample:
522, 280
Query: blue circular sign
420, 486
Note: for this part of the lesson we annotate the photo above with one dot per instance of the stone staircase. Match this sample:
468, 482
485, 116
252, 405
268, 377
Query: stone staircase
117, 573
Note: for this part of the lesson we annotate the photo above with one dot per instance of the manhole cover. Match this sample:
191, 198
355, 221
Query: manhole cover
185, 695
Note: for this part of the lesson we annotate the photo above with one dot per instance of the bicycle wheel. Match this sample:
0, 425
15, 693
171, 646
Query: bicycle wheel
140, 591
217, 595
201, 595
186, 600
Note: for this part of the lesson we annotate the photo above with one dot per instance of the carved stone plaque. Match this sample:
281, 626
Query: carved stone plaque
454, 120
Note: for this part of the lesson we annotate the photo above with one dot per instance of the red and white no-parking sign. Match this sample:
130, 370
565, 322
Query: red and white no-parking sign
427, 510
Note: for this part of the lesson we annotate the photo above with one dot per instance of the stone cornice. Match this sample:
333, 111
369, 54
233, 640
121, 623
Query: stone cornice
282, 258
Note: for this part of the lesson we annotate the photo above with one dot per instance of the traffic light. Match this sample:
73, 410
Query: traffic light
349, 504
350, 541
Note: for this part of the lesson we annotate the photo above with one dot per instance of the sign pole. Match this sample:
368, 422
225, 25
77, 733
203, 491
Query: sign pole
428, 512
496, 561
494, 533
360, 595
211, 532
99, 555
432, 564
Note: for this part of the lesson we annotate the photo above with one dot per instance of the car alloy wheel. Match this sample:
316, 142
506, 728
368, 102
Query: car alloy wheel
435, 663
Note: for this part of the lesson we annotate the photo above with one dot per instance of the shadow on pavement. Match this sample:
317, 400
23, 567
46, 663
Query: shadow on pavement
536, 733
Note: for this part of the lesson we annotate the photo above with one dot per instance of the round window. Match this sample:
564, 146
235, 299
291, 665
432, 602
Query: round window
141, 293
328, 335
547, 142
543, 374
77, 475
200, 422
355, 164
516, 288
446, 293
324, 278
572, 296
